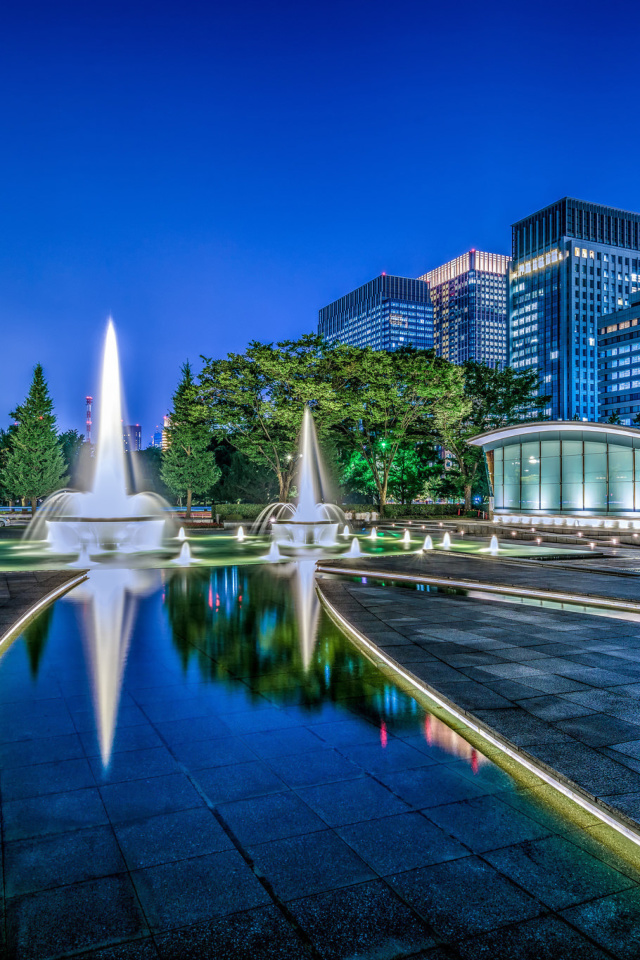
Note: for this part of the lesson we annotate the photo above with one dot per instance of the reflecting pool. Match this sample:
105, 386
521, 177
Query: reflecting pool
197, 761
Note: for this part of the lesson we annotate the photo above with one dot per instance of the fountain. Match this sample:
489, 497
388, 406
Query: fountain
274, 553
354, 550
240, 535
428, 543
446, 542
181, 535
346, 531
374, 534
309, 522
105, 518
493, 546
184, 557
406, 539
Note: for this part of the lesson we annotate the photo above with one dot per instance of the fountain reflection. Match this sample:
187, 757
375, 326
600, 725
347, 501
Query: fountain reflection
110, 598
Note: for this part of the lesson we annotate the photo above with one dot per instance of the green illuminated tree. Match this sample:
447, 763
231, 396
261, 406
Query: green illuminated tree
34, 465
188, 465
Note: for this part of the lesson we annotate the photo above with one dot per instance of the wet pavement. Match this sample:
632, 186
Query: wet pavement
211, 769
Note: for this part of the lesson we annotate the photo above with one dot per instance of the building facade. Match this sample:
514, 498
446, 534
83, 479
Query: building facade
573, 262
619, 363
387, 313
469, 297
565, 469
132, 437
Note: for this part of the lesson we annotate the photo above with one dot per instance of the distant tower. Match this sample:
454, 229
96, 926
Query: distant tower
89, 421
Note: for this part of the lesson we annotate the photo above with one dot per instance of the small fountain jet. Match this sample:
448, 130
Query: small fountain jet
428, 543
406, 539
446, 542
493, 546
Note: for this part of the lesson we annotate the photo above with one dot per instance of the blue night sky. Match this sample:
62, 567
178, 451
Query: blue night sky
211, 173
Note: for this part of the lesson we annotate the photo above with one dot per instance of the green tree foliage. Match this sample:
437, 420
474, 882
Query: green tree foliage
188, 465
256, 401
387, 403
35, 464
245, 481
71, 443
146, 466
614, 418
6, 440
496, 398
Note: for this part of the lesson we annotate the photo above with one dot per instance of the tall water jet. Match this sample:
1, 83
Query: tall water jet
428, 543
107, 517
406, 539
309, 522
493, 546
374, 534
446, 542
354, 550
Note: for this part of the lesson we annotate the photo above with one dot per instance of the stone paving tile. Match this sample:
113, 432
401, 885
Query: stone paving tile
464, 897
485, 823
142, 949
135, 799
53, 813
322, 766
71, 918
273, 817
553, 871
239, 781
40, 863
600, 729
350, 801
300, 866
545, 938
171, 836
262, 932
201, 888
613, 922
367, 920
401, 842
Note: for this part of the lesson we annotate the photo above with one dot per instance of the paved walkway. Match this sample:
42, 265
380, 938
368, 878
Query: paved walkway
562, 687
22, 589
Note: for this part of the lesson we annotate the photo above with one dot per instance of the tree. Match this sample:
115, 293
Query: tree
614, 418
256, 401
188, 466
496, 398
387, 401
71, 443
6, 440
244, 480
35, 465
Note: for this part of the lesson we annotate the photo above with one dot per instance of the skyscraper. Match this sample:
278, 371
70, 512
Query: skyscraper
132, 436
469, 297
387, 313
572, 262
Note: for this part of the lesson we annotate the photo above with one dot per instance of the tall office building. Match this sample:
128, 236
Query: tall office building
619, 363
572, 263
469, 297
132, 436
387, 313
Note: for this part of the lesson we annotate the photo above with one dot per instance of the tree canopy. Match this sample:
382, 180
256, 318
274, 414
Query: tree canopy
34, 465
495, 398
188, 465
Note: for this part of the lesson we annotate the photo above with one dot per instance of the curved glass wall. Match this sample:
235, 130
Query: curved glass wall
566, 472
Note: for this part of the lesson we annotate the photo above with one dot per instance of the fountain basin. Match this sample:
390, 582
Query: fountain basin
66, 534
302, 533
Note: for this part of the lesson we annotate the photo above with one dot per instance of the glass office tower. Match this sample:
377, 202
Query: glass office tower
387, 313
619, 362
572, 263
469, 296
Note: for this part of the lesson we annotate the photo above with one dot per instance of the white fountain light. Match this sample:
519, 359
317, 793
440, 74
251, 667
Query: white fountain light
184, 557
105, 518
309, 522
354, 550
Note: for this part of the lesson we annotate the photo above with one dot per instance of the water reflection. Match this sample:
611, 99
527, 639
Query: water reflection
110, 598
